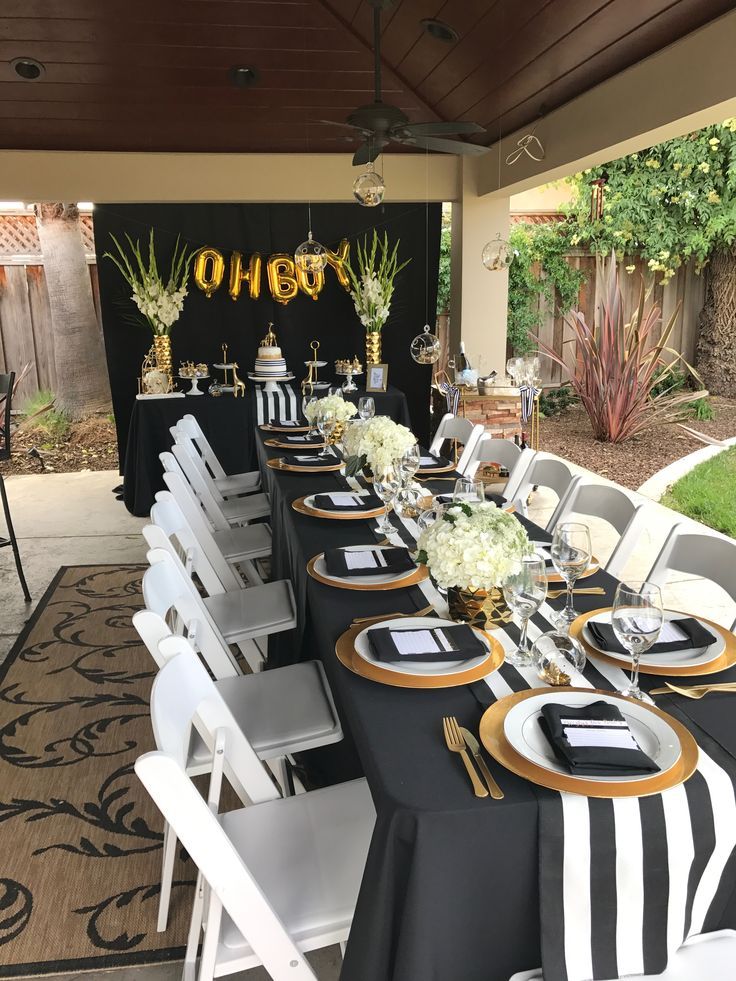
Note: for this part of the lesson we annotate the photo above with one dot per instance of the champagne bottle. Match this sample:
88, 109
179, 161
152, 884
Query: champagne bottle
462, 363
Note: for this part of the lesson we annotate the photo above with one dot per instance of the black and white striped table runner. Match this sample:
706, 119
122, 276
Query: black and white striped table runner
284, 403
623, 883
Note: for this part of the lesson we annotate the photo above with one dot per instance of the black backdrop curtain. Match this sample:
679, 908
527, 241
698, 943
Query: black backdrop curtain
268, 228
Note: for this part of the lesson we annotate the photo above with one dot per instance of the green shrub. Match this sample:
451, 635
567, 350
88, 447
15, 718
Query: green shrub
53, 422
556, 400
702, 409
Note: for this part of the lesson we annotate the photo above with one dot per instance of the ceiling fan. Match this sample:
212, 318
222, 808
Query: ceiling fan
381, 123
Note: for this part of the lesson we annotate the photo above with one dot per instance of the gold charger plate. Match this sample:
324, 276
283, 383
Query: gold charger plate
345, 651
279, 463
494, 739
269, 427
595, 566
296, 447
419, 575
302, 508
726, 660
430, 471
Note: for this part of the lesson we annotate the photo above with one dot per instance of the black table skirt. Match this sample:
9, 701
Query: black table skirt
391, 403
450, 889
227, 422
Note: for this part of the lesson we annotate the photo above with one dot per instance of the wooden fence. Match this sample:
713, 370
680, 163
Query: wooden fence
685, 288
25, 325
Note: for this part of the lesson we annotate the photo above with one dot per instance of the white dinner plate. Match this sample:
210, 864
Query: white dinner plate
691, 657
320, 566
362, 649
654, 735
368, 512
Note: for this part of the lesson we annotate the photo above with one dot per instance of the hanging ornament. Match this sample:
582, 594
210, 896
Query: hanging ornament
596, 197
310, 256
368, 189
425, 348
496, 255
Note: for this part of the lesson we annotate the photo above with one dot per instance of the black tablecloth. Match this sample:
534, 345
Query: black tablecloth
227, 422
391, 403
450, 891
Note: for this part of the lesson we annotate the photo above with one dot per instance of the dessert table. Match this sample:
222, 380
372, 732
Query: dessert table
229, 423
457, 887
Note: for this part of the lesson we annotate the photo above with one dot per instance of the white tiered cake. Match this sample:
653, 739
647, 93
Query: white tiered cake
269, 362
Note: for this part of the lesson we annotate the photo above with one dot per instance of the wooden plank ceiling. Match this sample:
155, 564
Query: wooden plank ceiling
154, 74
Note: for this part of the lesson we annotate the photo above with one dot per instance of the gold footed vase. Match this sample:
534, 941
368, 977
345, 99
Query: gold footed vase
336, 434
485, 609
373, 347
162, 349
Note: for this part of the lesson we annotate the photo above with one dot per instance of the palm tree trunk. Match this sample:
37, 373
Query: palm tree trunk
79, 354
716, 357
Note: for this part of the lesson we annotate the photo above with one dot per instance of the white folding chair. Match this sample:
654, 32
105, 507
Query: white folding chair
221, 488
544, 471
705, 554
459, 429
286, 871
281, 712
245, 617
504, 454
227, 484
235, 511
705, 957
613, 505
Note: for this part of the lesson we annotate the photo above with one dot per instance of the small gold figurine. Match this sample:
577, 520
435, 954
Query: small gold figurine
238, 385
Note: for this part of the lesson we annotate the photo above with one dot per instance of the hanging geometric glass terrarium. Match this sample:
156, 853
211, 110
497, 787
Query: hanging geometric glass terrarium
310, 255
496, 255
368, 189
425, 348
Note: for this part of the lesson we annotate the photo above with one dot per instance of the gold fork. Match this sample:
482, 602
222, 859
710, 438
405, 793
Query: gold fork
694, 691
584, 591
456, 744
426, 611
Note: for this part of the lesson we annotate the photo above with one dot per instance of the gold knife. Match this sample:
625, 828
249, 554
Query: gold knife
472, 744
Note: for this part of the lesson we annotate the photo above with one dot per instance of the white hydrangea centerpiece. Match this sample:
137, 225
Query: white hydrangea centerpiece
376, 443
473, 546
159, 298
342, 408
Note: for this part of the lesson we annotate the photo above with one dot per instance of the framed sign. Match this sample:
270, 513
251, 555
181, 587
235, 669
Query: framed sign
377, 378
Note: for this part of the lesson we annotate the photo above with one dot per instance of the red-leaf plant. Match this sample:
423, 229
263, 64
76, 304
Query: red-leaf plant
618, 361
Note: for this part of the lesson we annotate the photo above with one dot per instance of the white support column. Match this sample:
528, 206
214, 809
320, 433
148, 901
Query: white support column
479, 298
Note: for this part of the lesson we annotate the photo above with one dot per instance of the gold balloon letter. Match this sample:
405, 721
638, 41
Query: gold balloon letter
209, 269
310, 282
252, 275
282, 277
338, 261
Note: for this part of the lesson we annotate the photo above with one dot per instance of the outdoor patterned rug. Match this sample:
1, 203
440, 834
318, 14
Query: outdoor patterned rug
80, 840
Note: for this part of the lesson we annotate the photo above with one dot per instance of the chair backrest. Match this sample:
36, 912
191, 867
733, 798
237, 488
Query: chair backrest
167, 588
459, 428
695, 553
490, 450
184, 695
184, 442
183, 493
6, 399
207, 558
545, 471
190, 427
194, 561
201, 486
222, 866
613, 505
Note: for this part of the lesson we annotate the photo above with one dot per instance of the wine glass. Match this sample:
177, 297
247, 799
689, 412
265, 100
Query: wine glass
387, 487
513, 368
468, 491
326, 421
636, 618
306, 401
366, 407
525, 591
409, 462
570, 553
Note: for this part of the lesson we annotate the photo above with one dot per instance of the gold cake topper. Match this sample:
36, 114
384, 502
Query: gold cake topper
270, 339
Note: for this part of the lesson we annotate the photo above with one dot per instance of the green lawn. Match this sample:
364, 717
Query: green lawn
708, 493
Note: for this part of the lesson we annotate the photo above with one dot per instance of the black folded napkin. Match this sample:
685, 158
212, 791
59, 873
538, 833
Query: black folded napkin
696, 635
438, 461
396, 560
455, 642
313, 461
303, 439
568, 729
288, 423
360, 502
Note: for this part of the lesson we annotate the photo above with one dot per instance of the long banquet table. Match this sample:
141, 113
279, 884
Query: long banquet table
453, 884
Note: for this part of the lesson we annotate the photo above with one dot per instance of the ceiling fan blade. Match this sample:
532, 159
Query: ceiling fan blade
332, 122
444, 146
367, 152
460, 127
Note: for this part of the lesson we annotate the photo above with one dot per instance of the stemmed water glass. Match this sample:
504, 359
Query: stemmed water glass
513, 368
409, 462
326, 421
308, 400
366, 407
570, 554
386, 486
468, 491
637, 617
525, 591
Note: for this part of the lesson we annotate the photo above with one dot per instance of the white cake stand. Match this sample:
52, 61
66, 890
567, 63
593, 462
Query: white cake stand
271, 381
194, 390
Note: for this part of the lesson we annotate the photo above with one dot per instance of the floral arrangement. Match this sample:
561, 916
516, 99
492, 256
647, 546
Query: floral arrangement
373, 283
473, 546
377, 444
159, 300
342, 409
